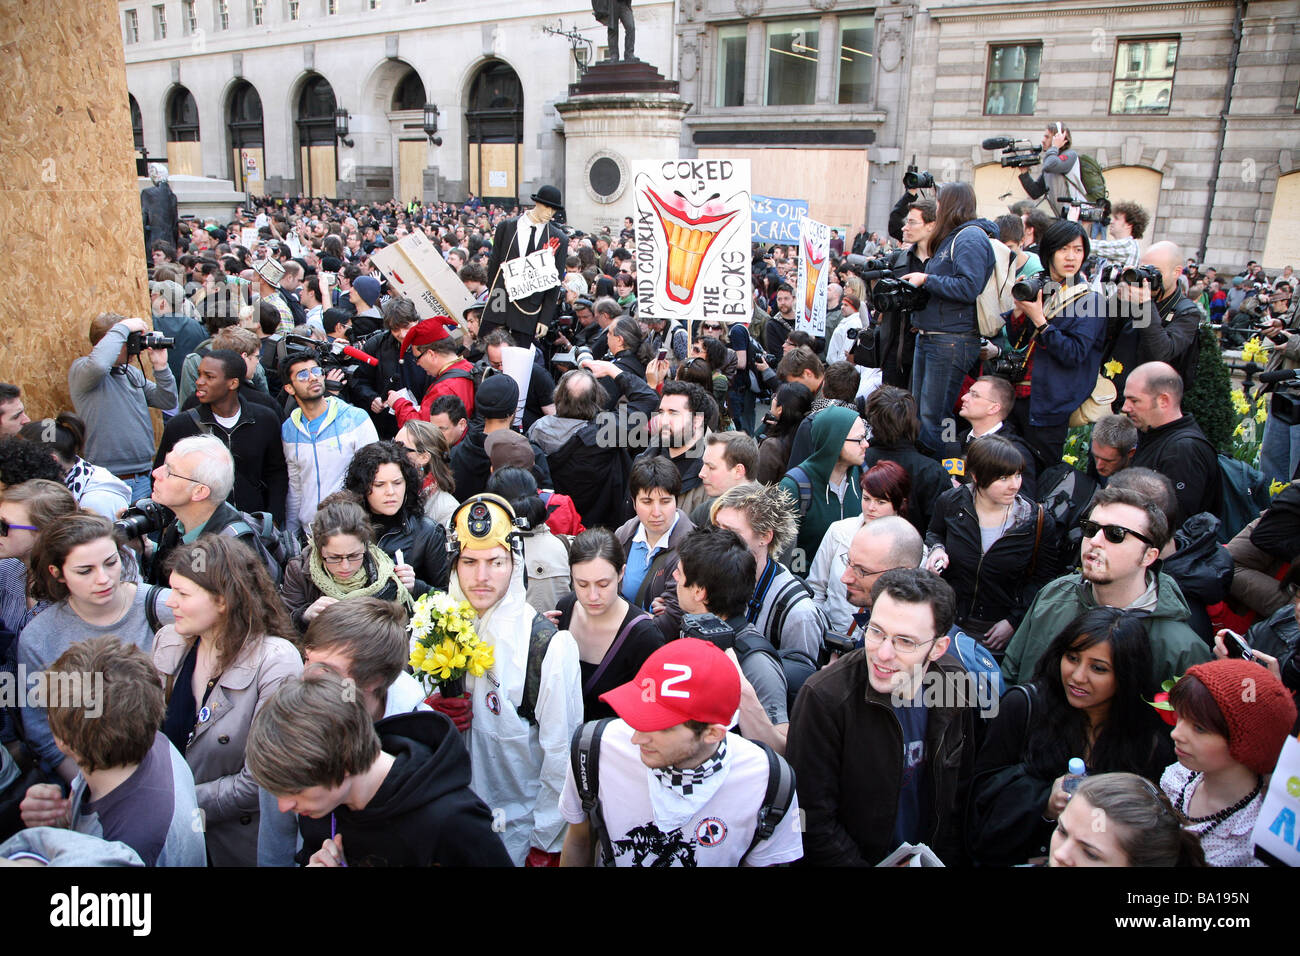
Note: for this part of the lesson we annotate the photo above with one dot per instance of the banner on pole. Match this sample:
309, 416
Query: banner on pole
810, 292
692, 239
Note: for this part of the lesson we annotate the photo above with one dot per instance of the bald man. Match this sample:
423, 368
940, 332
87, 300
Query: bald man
1170, 441
1166, 334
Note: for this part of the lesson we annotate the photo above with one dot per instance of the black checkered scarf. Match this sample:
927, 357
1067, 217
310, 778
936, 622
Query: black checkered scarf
687, 782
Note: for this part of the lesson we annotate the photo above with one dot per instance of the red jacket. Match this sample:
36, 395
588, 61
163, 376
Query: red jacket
462, 388
561, 515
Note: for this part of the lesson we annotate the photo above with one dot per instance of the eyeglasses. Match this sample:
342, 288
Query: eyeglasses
861, 573
308, 374
1115, 533
860, 440
334, 560
873, 637
6, 527
177, 474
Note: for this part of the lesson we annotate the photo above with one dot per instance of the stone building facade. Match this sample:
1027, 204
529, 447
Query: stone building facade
245, 90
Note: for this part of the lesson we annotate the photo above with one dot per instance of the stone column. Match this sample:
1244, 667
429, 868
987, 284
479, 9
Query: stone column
73, 239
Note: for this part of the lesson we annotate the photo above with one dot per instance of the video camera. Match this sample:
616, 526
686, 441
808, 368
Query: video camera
894, 295
1285, 405
1016, 153
1088, 211
137, 342
578, 357
867, 269
333, 353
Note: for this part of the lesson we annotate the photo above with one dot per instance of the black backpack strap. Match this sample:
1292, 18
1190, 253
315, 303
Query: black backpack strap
776, 801
781, 609
151, 608
203, 427
539, 639
584, 753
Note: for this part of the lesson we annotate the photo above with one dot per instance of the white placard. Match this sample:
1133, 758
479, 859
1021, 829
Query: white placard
692, 239
498, 178
518, 364
810, 290
530, 274
1278, 828
248, 237
416, 271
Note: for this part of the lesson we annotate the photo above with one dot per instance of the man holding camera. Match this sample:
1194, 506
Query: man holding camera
1062, 177
1152, 321
114, 399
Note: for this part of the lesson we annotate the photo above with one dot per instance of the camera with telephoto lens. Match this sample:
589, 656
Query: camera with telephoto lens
1028, 288
894, 295
137, 342
1134, 276
915, 179
579, 357
1016, 153
144, 517
867, 269
1012, 366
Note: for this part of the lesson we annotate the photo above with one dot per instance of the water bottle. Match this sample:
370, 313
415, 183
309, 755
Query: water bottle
1077, 771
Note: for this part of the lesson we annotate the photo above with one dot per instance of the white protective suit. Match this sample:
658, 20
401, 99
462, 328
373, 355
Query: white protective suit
518, 769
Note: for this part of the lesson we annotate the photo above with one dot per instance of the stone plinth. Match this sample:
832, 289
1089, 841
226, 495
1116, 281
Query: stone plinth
200, 197
618, 113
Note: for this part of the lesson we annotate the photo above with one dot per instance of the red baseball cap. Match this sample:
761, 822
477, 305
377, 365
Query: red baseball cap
427, 332
686, 679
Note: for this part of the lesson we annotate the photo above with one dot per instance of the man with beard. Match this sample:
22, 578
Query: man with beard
680, 432
1123, 536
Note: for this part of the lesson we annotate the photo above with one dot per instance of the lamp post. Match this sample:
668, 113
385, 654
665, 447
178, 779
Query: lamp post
431, 124
341, 126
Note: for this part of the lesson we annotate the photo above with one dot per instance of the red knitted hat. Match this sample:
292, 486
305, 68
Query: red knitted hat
1257, 708
427, 332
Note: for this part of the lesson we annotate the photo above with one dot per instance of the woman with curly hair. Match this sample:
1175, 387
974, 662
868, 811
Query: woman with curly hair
340, 562
382, 476
220, 660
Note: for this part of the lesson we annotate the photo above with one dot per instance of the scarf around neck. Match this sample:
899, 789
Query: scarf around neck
366, 581
676, 795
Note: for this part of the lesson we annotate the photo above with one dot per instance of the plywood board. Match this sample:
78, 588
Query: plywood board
72, 238
833, 181
412, 155
1283, 245
318, 171
185, 159
498, 158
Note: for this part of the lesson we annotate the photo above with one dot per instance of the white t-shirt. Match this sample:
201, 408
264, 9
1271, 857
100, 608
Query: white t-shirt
228, 422
717, 835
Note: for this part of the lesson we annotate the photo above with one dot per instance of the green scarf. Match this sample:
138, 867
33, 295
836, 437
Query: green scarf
360, 583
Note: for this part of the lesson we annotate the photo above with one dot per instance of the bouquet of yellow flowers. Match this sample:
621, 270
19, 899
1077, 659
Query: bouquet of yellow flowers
444, 644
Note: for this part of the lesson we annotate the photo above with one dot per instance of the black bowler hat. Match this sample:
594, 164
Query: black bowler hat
549, 196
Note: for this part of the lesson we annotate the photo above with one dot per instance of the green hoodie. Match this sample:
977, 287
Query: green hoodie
1174, 646
829, 429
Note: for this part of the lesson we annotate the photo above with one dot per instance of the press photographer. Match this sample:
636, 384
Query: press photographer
114, 399
1128, 222
1151, 320
948, 337
1062, 177
1056, 334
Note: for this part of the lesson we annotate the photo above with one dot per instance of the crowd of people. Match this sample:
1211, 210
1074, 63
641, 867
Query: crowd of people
756, 594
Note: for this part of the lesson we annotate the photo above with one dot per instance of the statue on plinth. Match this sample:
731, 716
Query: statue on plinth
612, 13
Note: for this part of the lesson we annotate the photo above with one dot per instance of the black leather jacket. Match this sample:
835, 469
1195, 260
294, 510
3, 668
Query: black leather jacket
423, 544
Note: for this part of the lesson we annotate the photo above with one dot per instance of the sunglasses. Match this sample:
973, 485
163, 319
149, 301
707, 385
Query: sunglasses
6, 527
308, 374
1115, 533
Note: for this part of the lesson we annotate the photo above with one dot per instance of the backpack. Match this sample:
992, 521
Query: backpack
980, 664
796, 666
539, 639
995, 299
1094, 181
804, 484
584, 755
1245, 495
276, 548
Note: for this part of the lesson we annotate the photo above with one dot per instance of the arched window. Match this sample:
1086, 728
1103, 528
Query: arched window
494, 123
409, 94
317, 155
244, 124
184, 156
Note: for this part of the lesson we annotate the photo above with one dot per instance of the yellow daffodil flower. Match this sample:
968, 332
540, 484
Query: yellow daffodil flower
1113, 368
1277, 486
1070, 460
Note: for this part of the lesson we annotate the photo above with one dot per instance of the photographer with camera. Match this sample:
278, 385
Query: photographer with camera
371, 383
1128, 221
1057, 331
1062, 172
114, 399
1151, 320
948, 337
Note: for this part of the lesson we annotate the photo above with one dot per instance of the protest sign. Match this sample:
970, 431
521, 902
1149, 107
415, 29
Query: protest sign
810, 292
1277, 830
775, 220
530, 274
416, 270
692, 239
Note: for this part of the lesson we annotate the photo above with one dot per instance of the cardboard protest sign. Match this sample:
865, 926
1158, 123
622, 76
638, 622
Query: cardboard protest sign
416, 271
692, 239
1277, 831
530, 274
776, 220
810, 292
